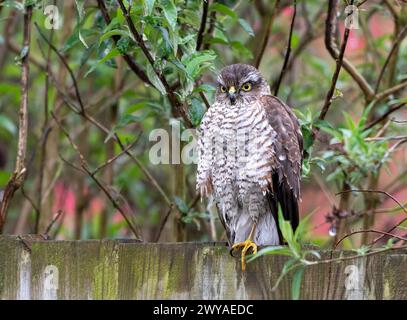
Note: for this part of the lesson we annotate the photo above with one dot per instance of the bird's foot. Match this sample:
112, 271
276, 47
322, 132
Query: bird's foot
245, 245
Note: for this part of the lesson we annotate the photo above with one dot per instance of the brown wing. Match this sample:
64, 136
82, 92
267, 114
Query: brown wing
288, 152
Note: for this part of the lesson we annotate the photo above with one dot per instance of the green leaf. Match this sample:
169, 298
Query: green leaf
283, 250
196, 111
111, 33
112, 54
241, 50
8, 125
285, 226
4, 177
24, 51
152, 76
30, 3
148, 6
302, 226
204, 87
296, 283
80, 7
246, 26
314, 253
12, 4
168, 47
82, 40
170, 13
198, 62
127, 119
123, 45
288, 235
221, 8
182, 206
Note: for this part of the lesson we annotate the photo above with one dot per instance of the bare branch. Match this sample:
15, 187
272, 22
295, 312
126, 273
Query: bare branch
18, 177
396, 44
385, 115
376, 191
211, 28
339, 59
85, 167
65, 63
205, 6
51, 224
287, 54
388, 92
111, 160
163, 223
309, 35
398, 121
335, 53
390, 230
369, 231
46, 130
266, 35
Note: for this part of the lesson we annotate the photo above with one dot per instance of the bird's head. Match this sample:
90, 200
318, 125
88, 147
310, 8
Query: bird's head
240, 82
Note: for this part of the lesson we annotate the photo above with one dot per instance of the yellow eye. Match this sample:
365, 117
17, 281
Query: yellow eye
223, 89
247, 87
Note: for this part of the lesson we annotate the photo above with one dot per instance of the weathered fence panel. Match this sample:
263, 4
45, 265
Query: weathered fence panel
114, 269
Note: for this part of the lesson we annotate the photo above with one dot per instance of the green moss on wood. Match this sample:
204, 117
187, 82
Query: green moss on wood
117, 270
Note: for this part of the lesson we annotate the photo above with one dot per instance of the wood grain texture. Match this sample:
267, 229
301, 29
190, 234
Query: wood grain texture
120, 269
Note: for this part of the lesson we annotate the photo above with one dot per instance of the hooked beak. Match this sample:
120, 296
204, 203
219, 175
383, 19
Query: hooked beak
232, 95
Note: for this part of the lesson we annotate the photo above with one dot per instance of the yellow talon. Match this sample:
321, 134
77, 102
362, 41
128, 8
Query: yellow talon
246, 245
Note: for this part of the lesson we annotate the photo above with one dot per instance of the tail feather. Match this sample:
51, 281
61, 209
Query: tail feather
281, 194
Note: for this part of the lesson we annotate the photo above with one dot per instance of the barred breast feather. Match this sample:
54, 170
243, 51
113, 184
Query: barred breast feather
249, 157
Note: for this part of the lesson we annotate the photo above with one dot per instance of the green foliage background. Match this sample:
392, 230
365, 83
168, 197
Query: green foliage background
129, 107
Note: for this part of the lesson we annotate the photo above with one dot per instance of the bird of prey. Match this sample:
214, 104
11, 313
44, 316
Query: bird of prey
249, 159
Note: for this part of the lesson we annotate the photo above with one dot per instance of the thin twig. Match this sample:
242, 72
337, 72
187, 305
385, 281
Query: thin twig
368, 231
111, 160
330, 31
266, 35
361, 3
385, 115
398, 121
390, 230
359, 256
65, 63
31, 201
394, 48
310, 34
376, 191
163, 223
45, 130
201, 31
393, 138
287, 54
51, 224
191, 205
388, 92
211, 28
85, 167
339, 60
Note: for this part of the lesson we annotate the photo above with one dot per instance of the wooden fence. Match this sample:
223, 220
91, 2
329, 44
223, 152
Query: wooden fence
115, 269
